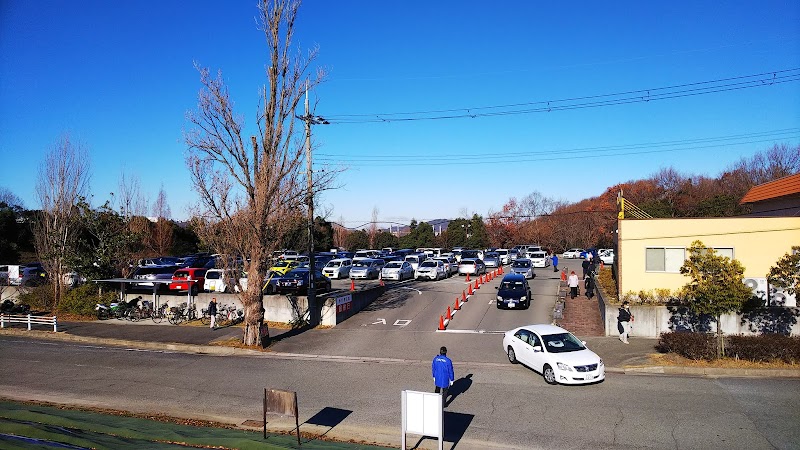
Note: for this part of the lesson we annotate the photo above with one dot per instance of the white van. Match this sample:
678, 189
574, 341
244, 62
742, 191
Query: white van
338, 268
539, 259
415, 259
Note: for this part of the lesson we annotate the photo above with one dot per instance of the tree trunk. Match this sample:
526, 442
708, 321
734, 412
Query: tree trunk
254, 319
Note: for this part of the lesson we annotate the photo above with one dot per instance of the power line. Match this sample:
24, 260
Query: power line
594, 101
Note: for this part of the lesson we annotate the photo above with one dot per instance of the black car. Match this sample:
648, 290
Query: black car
514, 290
296, 282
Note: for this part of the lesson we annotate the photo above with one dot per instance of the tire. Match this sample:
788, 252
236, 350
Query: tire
205, 319
512, 357
157, 318
174, 318
548, 374
134, 315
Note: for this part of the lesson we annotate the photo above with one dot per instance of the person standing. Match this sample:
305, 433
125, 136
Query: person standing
589, 285
585, 265
555, 262
212, 311
442, 371
572, 282
624, 319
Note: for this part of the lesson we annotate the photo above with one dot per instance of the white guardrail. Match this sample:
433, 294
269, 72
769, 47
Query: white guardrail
29, 319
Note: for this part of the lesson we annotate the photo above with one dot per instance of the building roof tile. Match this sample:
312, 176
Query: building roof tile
774, 189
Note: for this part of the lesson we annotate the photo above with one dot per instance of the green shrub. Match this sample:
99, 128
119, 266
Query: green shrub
82, 300
764, 348
607, 284
697, 346
703, 346
39, 298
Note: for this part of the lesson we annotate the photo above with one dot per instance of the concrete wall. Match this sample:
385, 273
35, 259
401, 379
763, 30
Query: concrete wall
335, 308
757, 242
651, 321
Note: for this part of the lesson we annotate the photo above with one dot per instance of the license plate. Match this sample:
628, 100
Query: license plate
511, 304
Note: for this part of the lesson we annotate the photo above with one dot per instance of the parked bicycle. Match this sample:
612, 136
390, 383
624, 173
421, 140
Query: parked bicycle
182, 312
160, 313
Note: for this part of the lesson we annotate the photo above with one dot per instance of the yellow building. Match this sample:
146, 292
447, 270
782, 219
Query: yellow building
651, 251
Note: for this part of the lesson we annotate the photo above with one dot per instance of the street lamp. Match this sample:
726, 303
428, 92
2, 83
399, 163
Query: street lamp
309, 120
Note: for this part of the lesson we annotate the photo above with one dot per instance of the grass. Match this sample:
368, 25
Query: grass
671, 359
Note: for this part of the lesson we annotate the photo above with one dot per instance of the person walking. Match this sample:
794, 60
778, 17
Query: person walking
572, 282
442, 371
212, 311
624, 319
588, 285
585, 265
555, 262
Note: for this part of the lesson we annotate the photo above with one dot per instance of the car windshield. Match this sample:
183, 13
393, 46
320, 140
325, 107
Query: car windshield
562, 343
521, 264
361, 264
538, 255
428, 264
512, 286
467, 263
393, 265
180, 275
492, 255
213, 275
334, 263
297, 274
282, 264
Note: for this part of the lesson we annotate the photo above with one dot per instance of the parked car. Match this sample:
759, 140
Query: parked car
415, 259
514, 290
471, 266
492, 259
151, 273
28, 275
607, 256
366, 269
338, 268
397, 270
513, 255
474, 254
296, 282
573, 253
216, 281
539, 259
188, 279
450, 264
284, 266
523, 267
365, 254
555, 353
431, 269
505, 258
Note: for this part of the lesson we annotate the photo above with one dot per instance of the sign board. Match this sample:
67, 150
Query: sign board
344, 303
282, 403
13, 272
423, 414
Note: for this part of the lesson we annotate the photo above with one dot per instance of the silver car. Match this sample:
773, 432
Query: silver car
397, 270
492, 259
431, 269
523, 267
366, 269
471, 266
450, 264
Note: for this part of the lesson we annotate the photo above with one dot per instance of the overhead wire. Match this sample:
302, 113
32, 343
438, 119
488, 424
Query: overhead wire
601, 100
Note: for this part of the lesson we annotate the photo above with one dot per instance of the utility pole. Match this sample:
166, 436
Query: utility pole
309, 120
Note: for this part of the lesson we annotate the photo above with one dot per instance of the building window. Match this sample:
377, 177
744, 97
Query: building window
664, 259
724, 251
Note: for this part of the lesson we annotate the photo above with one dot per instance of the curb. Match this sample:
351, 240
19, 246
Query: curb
711, 372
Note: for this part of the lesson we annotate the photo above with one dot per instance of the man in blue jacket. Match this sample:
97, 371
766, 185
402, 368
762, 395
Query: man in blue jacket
442, 370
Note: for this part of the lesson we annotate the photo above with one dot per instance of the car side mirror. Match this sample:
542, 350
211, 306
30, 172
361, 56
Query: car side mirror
537, 348
584, 343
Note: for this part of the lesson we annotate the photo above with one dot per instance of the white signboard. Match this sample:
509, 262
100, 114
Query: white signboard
423, 414
13, 272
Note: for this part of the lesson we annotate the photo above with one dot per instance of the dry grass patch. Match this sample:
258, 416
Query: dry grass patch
671, 359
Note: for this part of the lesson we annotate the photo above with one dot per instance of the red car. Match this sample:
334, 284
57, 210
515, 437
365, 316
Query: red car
188, 278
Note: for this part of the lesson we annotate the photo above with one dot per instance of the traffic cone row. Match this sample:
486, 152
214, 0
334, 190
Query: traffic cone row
444, 320
468, 278
352, 285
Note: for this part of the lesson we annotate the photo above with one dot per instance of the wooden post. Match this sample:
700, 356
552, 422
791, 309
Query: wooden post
265, 413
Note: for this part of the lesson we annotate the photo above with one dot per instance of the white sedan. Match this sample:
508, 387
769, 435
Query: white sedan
607, 256
573, 253
555, 353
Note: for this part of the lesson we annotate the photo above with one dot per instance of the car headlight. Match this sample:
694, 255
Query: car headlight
601, 362
563, 366
522, 299
499, 298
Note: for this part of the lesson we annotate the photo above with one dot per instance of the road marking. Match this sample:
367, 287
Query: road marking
402, 322
380, 321
411, 289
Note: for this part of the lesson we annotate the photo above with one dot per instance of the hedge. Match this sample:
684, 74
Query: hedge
703, 346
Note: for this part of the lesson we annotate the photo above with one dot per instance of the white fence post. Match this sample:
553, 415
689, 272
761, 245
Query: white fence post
55, 324
2, 320
29, 322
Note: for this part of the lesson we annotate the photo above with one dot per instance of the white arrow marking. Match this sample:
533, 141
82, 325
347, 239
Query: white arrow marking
380, 321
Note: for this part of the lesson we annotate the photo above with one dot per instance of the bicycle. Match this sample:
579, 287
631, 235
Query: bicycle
178, 314
159, 314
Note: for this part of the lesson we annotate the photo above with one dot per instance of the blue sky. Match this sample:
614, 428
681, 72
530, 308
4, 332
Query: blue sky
119, 77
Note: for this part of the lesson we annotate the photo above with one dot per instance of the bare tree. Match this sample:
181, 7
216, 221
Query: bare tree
248, 188
161, 237
131, 201
62, 182
9, 198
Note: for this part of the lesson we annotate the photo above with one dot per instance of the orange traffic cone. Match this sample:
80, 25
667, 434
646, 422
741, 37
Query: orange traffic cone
381, 282
352, 285
601, 264
477, 284
441, 322
449, 316
501, 270
563, 275
467, 278
457, 306
470, 289
463, 296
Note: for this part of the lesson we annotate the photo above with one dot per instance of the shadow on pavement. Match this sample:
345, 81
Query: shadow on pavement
459, 387
328, 417
455, 425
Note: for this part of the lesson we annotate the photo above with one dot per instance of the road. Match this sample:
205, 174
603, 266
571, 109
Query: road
500, 405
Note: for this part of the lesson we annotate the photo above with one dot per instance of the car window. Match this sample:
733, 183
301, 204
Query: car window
512, 286
523, 335
392, 265
562, 343
467, 263
428, 264
213, 275
534, 340
521, 264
